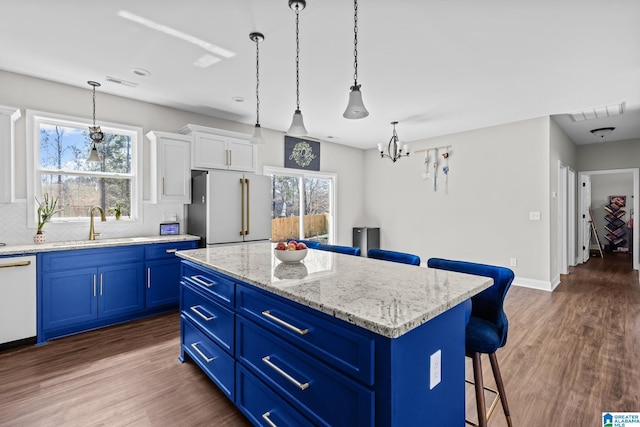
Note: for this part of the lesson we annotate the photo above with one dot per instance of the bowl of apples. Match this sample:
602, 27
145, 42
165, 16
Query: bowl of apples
290, 252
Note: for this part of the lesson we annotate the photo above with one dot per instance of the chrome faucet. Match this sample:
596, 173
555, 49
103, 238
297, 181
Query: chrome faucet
92, 232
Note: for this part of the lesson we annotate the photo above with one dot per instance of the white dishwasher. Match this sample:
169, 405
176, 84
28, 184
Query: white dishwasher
17, 298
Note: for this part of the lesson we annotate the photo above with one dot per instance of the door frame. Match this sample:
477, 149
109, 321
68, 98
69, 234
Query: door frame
636, 202
566, 218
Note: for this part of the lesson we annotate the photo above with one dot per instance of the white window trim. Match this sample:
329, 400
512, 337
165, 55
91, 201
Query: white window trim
333, 222
34, 187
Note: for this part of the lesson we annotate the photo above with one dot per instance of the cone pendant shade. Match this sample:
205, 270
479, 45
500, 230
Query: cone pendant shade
355, 108
257, 137
93, 155
297, 125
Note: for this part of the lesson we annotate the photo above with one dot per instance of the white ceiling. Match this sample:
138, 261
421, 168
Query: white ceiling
435, 66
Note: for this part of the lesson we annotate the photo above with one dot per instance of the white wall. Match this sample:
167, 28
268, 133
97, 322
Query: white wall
30, 93
497, 176
561, 149
609, 155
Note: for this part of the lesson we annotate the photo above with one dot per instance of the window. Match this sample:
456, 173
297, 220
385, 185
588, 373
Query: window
309, 193
60, 148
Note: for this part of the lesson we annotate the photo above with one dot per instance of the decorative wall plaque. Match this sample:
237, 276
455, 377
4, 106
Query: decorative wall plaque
301, 154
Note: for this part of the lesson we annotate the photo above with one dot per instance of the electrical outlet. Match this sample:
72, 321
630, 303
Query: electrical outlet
534, 216
435, 369
513, 262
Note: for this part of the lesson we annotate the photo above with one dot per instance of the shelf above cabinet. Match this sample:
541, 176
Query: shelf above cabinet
220, 149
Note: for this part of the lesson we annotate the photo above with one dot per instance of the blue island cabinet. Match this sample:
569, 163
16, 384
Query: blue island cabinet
285, 364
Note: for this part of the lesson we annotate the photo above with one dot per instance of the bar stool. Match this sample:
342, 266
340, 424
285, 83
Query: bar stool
486, 330
394, 256
340, 249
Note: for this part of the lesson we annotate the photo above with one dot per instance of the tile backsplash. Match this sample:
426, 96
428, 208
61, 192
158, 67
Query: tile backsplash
14, 231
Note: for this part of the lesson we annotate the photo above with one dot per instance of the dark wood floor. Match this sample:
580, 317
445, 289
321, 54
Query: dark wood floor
570, 355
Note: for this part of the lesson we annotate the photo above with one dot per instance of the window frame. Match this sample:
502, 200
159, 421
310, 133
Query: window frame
34, 183
333, 226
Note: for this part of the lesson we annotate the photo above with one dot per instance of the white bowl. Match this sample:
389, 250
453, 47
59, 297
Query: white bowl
290, 257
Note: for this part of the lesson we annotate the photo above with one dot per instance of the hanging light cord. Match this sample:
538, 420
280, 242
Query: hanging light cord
94, 106
355, 43
257, 81
297, 59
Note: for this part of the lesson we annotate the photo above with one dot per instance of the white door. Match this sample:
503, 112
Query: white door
585, 198
209, 151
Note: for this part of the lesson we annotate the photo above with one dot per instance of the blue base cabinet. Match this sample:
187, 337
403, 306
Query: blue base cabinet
296, 366
84, 289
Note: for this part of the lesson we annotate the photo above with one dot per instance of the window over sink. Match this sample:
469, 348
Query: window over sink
60, 147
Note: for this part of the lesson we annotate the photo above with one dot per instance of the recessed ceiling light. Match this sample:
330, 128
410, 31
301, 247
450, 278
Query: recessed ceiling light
330, 136
140, 72
238, 99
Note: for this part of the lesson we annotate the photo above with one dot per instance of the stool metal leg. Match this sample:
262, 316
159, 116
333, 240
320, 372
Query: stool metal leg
477, 378
503, 397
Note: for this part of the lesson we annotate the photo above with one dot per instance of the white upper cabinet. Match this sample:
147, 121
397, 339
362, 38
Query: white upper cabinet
8, 117
170, 167
220, 149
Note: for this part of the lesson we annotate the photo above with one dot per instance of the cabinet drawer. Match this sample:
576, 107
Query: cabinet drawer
167, 250
94, 257
216, 321
217, 364
261, 405
322, 336
321, 393
214, 285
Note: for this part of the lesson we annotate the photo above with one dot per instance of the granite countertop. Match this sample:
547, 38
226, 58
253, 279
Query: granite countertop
387, 298
85, 244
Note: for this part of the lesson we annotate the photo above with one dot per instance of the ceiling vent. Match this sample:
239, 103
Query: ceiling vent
120, 81
598, 112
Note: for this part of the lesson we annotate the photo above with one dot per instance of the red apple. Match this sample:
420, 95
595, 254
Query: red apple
281, 246
301, 246
292, 242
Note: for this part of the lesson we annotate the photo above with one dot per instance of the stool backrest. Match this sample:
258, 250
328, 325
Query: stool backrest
488, 304
394, 256
340, 249
311, 244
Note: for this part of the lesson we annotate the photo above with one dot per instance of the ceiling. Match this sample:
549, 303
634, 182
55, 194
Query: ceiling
435, 66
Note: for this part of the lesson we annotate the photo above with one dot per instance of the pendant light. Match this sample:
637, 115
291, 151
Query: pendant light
257, 137
355, 108
297, 124
395, 149
95, 133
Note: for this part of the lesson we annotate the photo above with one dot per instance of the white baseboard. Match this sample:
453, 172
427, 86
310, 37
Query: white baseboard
542, 285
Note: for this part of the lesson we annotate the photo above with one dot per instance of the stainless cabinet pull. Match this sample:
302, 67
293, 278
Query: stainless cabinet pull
163, 186
268, 314
16, 264
292, 380
100, 284
148, 278
266, 416
202, 282
196, 311
171, 251
206, 359
94, 285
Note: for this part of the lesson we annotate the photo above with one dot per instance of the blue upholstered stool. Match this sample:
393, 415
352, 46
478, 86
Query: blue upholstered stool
339, 249
393, 256
487, 328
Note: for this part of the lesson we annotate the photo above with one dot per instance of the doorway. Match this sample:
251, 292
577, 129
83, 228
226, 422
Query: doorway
585, 195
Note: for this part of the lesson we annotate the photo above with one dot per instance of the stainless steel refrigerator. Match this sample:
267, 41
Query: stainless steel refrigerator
229, 207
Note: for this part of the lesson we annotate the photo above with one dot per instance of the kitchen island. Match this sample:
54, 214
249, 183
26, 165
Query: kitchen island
332, 340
